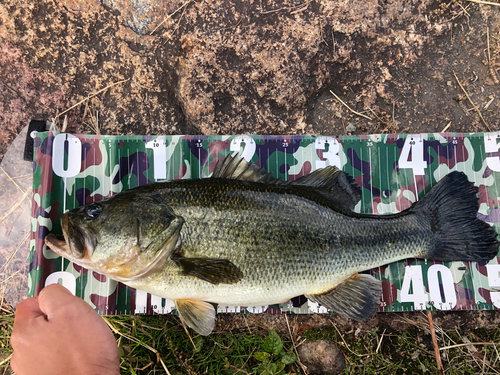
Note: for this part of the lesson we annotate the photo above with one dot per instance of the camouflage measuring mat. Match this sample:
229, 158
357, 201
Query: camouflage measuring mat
393, 170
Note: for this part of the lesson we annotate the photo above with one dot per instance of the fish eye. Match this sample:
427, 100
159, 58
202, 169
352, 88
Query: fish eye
94, 210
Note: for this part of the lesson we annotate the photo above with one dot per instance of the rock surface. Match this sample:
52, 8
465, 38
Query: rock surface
321, 357
267, 66
234, 66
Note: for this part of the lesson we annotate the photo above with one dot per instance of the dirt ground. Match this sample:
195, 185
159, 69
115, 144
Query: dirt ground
263, 67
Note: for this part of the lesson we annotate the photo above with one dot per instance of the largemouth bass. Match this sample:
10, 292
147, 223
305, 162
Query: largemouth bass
245, 238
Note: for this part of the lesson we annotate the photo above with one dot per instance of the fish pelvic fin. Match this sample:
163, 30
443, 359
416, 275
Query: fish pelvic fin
198, 315
357, 298
451, 207
214, 271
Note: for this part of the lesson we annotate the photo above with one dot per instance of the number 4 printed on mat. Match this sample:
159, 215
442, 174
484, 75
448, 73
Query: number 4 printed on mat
491, 146
415, 145
494, 283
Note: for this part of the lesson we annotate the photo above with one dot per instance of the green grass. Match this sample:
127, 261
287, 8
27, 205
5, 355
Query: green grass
163, 337
160, 345
6, 322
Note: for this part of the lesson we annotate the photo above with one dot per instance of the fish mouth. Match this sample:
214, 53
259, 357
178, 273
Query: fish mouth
73, 244
58, 244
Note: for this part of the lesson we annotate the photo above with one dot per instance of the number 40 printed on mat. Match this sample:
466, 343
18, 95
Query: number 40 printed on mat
441, 288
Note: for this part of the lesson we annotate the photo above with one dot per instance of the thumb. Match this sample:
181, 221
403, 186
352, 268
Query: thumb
54, 300
26, 312
28, 309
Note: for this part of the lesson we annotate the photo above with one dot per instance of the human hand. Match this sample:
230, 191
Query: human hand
58, 333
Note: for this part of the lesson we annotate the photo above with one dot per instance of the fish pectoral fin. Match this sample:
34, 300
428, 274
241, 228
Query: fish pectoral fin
357, 298
215, 271
198, 315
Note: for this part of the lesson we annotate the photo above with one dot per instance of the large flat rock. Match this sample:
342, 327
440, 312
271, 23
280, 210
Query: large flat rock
232, 66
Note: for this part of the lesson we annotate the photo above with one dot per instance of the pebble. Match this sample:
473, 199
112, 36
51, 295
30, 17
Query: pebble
321, 357
350, 128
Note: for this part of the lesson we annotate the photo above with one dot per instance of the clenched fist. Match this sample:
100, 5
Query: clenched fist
58, 333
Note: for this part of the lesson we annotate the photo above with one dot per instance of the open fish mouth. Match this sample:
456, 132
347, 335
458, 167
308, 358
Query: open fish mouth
74, 244
58, 244
79, 243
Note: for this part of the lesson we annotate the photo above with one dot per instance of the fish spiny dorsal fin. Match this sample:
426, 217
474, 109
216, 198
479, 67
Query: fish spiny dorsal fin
334, 184
237, 168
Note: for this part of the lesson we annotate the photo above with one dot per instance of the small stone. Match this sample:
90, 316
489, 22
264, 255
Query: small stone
351, 128
321, 357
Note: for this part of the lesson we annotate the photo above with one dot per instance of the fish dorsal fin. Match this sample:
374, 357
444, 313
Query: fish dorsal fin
334, 184
357, 298
198, 315
237, 168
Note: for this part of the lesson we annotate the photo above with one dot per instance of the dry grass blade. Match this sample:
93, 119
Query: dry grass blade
187, 332
295, 347
471, 102
170, 16
349, 108
435, 344
419, 322
164, 366
16, 205
380, 341
488, 44
6, 360
93, 120
446, 127
468, 344
346, 344
237, 369
65, 124
491, 66
6, 308
12, 180
131, 338
463, 10
485, 2
91, 96
304, 7
294, 9
489, 102
13, 254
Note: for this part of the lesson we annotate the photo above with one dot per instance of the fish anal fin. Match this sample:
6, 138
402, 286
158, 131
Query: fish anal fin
214, 271
334, 184
357, 298
198, 315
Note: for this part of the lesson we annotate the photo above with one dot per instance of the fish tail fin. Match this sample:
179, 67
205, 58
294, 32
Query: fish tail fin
452, 205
